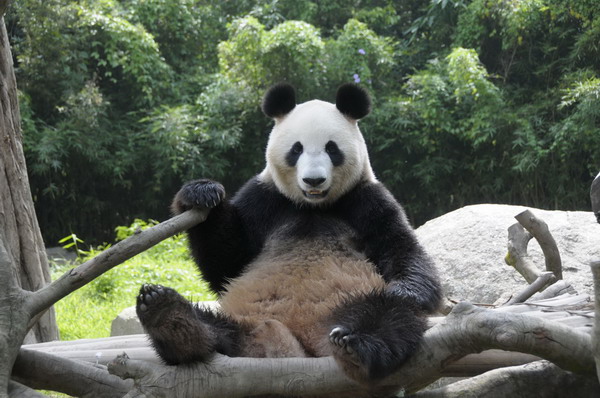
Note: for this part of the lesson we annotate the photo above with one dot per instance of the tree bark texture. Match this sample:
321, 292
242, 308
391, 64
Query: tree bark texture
75, 378
19, 229
466, 330
538, 379
539, 230
595, 266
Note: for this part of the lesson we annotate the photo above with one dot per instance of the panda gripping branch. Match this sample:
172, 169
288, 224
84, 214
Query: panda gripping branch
312, 257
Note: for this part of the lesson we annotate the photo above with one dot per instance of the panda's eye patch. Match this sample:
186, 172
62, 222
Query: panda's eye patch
335, 154
297, 148
331, 148
294, 153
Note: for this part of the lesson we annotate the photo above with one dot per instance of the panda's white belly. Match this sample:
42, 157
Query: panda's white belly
298, 283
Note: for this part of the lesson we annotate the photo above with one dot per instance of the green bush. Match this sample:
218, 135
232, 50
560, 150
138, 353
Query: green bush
89, 311
480, 100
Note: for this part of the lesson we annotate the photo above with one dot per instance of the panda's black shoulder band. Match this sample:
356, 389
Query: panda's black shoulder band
353, 101
279, 100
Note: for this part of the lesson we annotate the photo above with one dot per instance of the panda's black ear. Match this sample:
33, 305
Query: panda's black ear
279, 100
353, 101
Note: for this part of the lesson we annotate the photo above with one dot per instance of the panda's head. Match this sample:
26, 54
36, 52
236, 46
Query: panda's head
316, 152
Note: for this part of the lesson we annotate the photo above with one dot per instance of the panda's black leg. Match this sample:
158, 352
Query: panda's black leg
179, 331
373, 334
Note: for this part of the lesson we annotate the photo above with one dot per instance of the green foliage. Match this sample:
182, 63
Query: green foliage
446, 135
479, 100
291, 51
361, 55
89, 311
125, 54
185, 31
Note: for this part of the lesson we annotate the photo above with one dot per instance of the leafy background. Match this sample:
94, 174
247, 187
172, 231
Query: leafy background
474, 100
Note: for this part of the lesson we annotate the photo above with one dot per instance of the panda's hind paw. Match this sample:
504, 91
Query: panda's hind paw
155, 303
366, 358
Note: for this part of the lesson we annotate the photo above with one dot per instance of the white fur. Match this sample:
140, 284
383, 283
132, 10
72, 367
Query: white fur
313, 124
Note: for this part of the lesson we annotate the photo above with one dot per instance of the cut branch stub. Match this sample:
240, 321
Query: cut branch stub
539, 230
595, 197
517, 256
596, 331
542, 281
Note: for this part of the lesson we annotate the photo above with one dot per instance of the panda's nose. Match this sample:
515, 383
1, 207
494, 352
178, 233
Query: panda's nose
314, 182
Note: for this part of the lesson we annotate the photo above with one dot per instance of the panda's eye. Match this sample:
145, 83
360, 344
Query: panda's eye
331, 148
293, 155
297, 148
335, 154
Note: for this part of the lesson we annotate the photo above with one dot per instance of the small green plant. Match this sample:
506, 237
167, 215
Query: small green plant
72, 241
89, 311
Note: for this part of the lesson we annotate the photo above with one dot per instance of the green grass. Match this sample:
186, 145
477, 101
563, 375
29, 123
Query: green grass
89, 311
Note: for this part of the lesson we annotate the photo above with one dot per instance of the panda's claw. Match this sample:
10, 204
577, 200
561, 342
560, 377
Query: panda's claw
155, 301
199, 193
339, 336
344, 340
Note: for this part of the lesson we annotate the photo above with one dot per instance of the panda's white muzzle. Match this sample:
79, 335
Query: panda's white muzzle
314, 175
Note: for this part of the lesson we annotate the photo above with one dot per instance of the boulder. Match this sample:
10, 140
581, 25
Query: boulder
469, 246
126, 323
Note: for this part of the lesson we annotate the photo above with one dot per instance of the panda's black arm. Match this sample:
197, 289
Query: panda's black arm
221, 246
235, 230
391, 244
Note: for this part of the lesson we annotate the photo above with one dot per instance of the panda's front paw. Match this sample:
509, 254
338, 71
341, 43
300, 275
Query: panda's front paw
199, 193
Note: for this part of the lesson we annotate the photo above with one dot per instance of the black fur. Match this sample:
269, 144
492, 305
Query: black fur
291, 158
279, 100
380, 330
335, 154
181, 332
353, 101
235, 232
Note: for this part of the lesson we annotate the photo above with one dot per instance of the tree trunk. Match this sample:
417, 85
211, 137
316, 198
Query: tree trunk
19, 228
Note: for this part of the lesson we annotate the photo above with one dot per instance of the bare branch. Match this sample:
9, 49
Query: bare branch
596, 331
138, 347
542, 280
469, 329
595, 197
18, 390
466, 330
517, 256
236, 377
559, 288
539, 229
122, 251
13, 321
532, 380
45, 371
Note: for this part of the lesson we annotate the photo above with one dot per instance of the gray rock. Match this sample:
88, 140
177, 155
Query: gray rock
59, 255
469, 246
126, 323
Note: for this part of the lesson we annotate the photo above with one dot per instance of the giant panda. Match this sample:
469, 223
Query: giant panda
312, 257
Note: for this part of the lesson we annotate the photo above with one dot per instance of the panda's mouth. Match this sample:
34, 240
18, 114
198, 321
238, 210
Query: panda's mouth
315, 193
